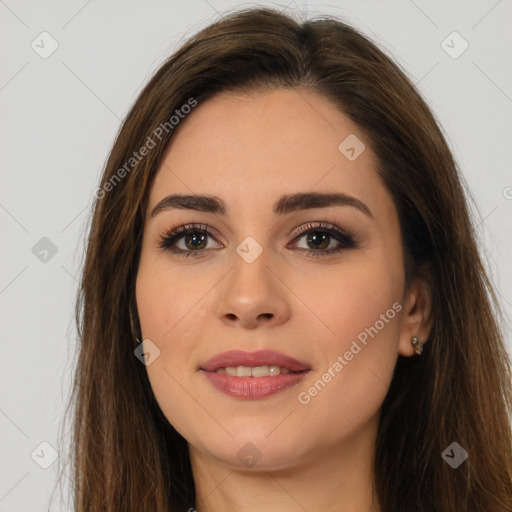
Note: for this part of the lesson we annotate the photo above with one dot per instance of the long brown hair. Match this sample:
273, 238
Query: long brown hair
126, 455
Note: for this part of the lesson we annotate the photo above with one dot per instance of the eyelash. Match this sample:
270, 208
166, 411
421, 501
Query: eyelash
346, 239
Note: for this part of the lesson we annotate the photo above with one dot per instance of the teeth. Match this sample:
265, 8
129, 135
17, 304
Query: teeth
256, 371
243, 371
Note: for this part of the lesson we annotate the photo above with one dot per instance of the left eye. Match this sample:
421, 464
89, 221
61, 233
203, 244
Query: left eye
320, 237
194, 239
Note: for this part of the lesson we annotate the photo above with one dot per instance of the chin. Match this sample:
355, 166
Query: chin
254, 453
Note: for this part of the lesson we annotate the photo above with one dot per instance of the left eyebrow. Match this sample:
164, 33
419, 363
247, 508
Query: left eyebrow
285, 204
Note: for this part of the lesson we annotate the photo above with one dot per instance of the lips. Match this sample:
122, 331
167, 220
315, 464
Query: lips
258, 358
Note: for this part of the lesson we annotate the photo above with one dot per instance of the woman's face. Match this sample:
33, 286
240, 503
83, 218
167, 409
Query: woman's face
255, 282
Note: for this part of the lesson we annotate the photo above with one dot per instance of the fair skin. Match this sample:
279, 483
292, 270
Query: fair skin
249, 150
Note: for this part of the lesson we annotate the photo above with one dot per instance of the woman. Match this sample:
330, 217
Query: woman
283, 306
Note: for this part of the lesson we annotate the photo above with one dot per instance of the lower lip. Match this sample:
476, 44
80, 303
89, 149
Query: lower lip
253, 388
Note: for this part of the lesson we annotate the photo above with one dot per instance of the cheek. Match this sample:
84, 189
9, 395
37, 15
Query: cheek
357, 361
165, 299
349, 300
360, 310
163, 303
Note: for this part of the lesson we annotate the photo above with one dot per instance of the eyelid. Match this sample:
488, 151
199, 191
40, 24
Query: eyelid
345, 238
320, 226
183, 229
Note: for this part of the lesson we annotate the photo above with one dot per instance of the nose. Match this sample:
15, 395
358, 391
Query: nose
253, 295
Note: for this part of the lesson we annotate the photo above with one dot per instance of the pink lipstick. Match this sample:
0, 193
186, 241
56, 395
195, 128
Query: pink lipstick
253, 375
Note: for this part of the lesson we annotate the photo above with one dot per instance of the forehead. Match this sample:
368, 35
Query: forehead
258, 146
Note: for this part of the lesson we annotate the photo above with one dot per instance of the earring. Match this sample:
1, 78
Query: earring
418, 347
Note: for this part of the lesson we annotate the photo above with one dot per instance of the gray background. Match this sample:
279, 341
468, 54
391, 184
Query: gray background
59, 116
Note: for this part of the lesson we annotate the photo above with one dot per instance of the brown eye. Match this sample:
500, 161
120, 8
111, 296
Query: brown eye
318, 240
193, 240
321, 240
319, 237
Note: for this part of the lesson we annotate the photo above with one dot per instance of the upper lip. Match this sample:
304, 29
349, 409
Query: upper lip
258, 358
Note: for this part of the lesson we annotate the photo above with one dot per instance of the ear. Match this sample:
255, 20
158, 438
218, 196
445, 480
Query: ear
417, 316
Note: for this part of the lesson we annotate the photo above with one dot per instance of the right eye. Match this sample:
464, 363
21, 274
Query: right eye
194, 237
